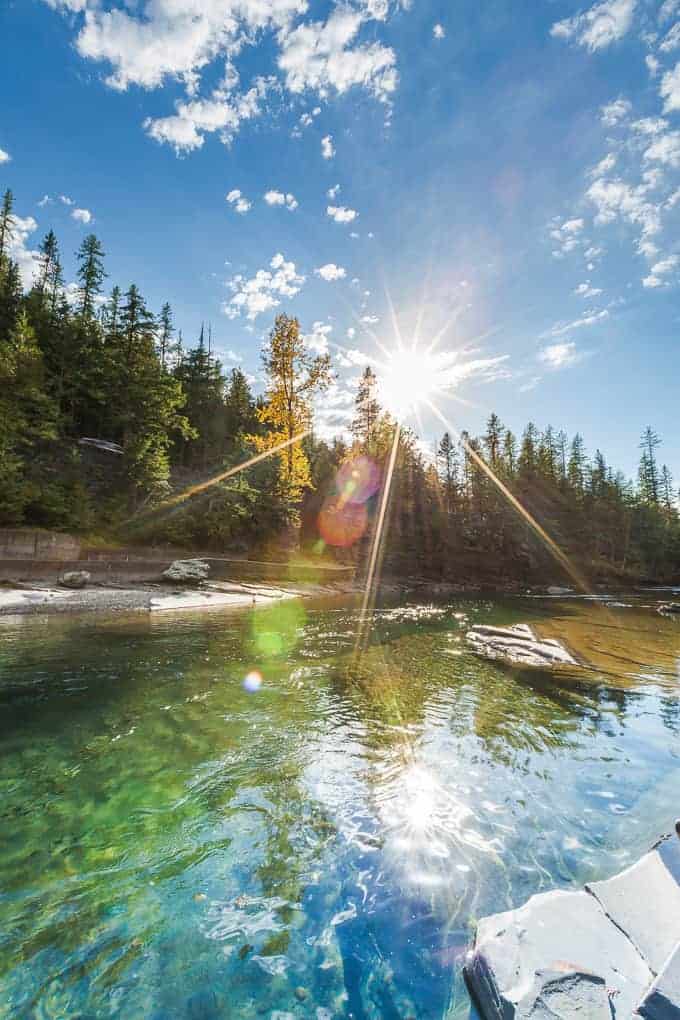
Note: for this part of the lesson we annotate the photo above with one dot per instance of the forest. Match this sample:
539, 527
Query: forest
111, 423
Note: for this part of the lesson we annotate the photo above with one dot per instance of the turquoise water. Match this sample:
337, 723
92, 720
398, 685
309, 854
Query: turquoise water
176, 846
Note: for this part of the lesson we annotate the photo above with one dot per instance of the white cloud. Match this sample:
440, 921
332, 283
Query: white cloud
340, 214
586, 290
332, 193
604, 166
673, 199
317, 340
223, 113
567, 235
557, 356
369, 320
45, 200
66, 200
318, 56
665, 149
27, 259
669, 90
438, 31
239, 201
351, 333
4, 157
589, 319
649, 125
327, 147
613, 113
331, 272
652, 65
83, 216
617, 199
279, 198
659, 270
601, 25
671, 40
262, 292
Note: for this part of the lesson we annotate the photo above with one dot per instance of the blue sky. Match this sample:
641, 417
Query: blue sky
511, 170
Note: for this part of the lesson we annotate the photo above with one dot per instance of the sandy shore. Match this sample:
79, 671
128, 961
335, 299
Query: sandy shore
151, 598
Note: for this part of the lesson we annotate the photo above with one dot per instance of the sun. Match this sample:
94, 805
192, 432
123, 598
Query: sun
408, 379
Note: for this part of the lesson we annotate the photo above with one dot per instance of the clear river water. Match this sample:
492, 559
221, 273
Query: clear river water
178, 841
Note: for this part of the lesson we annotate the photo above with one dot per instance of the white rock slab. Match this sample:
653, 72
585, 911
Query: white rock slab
518, 645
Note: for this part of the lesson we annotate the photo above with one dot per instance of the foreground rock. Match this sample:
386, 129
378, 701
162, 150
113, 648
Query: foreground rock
187, 571
74, 579
611, 951
518, 646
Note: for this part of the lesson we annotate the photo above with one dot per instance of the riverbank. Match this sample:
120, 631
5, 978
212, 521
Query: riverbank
23, 600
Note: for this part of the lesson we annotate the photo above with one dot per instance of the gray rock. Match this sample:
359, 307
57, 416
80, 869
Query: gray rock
187, 571
556, 589
74, 579
519, 646
644, 902
557, 956
662, 1001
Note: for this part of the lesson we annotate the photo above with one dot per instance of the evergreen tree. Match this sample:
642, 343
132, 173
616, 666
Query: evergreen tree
649, 471
367, 411
90, 273
165, 334
492, 441
6, 225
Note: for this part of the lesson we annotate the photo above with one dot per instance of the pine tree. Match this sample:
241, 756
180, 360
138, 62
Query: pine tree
367, 411
6, 225
165, 334
576, 468
492, 441
527, 463
447, 463
509, 454
90, 273
649, 471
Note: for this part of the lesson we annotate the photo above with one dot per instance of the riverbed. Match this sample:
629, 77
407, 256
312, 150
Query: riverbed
233, 814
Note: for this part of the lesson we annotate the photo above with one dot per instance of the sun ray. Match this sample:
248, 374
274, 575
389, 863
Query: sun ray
193, 490
369, 590
545, 538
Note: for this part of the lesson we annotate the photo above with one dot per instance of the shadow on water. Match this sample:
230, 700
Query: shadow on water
319, 844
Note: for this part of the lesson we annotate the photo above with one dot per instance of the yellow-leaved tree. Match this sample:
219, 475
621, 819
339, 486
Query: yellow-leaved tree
294, 376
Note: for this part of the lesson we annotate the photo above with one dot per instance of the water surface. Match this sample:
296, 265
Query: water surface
177, 846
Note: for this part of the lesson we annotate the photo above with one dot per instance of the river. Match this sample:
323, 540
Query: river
227, 815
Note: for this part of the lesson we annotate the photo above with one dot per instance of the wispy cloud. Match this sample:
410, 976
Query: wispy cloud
600, 26
556, 356
340, 214
330, 272
279, 198
240, 203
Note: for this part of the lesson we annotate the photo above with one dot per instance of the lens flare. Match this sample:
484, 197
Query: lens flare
252, 682
358, 479
341, 523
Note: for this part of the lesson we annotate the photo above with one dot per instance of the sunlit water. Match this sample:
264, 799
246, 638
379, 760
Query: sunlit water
176, 846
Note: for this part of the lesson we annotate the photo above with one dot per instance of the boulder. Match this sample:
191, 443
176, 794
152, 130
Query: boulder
557, 956
74, 579
612, 951
187, 572
556, 589
518, 646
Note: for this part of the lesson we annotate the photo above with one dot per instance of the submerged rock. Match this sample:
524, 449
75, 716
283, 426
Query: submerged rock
518, 646
187, 571
74, 579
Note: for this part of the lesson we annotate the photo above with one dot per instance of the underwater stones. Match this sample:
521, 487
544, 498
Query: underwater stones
598, 953
74, 579
558, 955
518, 646
187, 571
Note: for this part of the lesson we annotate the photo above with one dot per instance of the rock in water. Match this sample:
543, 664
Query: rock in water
556, 589
187, 571
670, 607
74, 579
594, 954
518, 646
